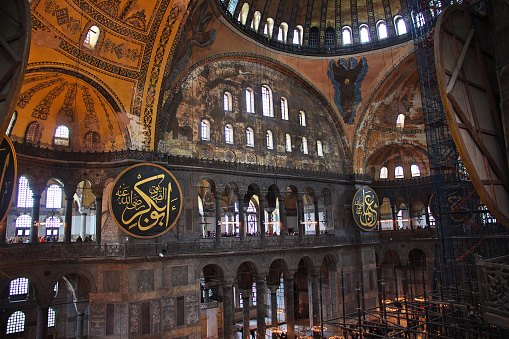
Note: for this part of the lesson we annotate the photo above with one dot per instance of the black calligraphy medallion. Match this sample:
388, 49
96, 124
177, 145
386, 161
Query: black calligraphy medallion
8, 176
365, 208
146, 200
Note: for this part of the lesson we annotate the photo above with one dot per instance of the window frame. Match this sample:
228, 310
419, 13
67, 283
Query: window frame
288, 143
227, 102
415, 171
397, 19
364, 28
228, 134
269, 139
302, 118
346, 31
379, 24
91, 41
399, 172
384, 173
249, 137
319, 148
267, 103
249, 93
205, 130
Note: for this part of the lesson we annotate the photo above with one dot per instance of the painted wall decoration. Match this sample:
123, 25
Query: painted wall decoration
365, 208
346, 76
8, 175
146, 200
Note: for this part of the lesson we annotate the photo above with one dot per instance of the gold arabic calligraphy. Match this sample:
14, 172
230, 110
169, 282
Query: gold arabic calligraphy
146, 209
366, 208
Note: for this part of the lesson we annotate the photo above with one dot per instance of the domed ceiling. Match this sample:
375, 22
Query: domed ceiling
317, 27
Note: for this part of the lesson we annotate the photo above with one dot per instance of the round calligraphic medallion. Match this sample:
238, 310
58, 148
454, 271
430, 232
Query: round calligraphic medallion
365, 208
8, 175
146, 200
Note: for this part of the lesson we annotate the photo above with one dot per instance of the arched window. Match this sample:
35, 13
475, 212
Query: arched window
18, 289
381, 29
228, 134
243, 13
330, 36
251, 218
346, 35
232, 5
22, 224
400, 24
297, 35
249, 101
398, 172
11, 123
205, 130
319, 148
304, 145
313, 37
400, 121
270, 142
416, 172
249, 137
25, 194
384, 173
92, 139
255, 24
268, 110
51, 317
288, 143
92, 37
302, 118
62, 136
16, 323
53, 225
269, 27
284, 108
32, 133
364, 34
227, 101
283, 32
54, 196
419, 19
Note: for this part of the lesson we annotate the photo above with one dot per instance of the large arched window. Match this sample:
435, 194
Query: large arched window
227, 101
297, 35
51, 317
346, 35
400, 24
25, 194
284, 108
364, 34
205, 130
243, 13
249, 137
92, 37
16, 323
269, 27
384, 173
302, 118
228, 134
251, 218
18, 289
288, 143
313, 37
270, 141
319, 148
304, 145
398, 172
249, 101
416, 172
255, 24
32, 133
381, 28
400, 121
330, 36
283, 32
62, 136
22, 224
92, 139
268, 110
54, 196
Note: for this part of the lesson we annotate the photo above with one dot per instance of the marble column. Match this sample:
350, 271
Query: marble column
42, 322
227, 311
98, 218
34, 228
333, 294
261, 217
426, 213
79, 325
410, 216
218, 218
242, 223
314, 302
300, 217
68, 218
282, 222
394, 224
317, 218
290, 307
83, 230
273, 304
246, 296
261, 290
